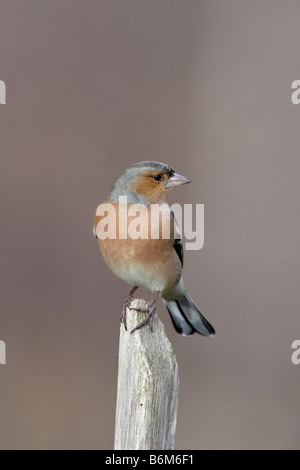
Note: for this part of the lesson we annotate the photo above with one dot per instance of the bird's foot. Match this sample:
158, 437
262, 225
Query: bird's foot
150, 315
126, 304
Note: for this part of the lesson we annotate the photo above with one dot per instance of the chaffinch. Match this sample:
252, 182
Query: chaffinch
153, 263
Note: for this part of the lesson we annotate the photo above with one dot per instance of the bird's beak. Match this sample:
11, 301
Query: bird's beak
177, 180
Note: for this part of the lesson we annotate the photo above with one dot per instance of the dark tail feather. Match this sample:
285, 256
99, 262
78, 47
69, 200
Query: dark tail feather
187, 319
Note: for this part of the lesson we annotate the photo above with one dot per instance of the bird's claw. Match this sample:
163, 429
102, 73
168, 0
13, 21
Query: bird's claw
126, 304
150, 311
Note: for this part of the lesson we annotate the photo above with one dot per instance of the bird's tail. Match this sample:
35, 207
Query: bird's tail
186, 317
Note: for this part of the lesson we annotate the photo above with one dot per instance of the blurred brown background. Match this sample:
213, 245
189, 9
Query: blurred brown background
93, 86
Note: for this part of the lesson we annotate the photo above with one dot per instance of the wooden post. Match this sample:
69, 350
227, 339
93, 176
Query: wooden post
147, 396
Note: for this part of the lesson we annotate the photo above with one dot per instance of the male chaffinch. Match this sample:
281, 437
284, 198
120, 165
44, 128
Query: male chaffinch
155, 264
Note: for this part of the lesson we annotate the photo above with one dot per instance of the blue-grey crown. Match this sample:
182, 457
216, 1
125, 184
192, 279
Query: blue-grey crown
152, 166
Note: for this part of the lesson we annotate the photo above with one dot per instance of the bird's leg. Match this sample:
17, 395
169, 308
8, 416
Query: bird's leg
126, 304
151, 311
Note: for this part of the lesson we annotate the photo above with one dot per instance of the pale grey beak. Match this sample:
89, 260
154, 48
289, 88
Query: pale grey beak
177, 180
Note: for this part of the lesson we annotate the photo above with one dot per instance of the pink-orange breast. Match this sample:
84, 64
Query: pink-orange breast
150, 263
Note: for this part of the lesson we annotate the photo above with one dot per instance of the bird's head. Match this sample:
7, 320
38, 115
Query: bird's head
147, 183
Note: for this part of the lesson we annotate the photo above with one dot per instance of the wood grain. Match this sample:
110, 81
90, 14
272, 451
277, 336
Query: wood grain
147, 397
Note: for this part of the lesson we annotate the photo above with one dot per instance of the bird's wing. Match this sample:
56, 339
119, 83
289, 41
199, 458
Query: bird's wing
94, 232
96, 220
177, 242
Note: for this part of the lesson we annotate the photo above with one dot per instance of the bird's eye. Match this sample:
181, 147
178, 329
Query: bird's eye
157, 177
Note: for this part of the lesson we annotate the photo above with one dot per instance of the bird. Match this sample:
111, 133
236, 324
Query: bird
152, 263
